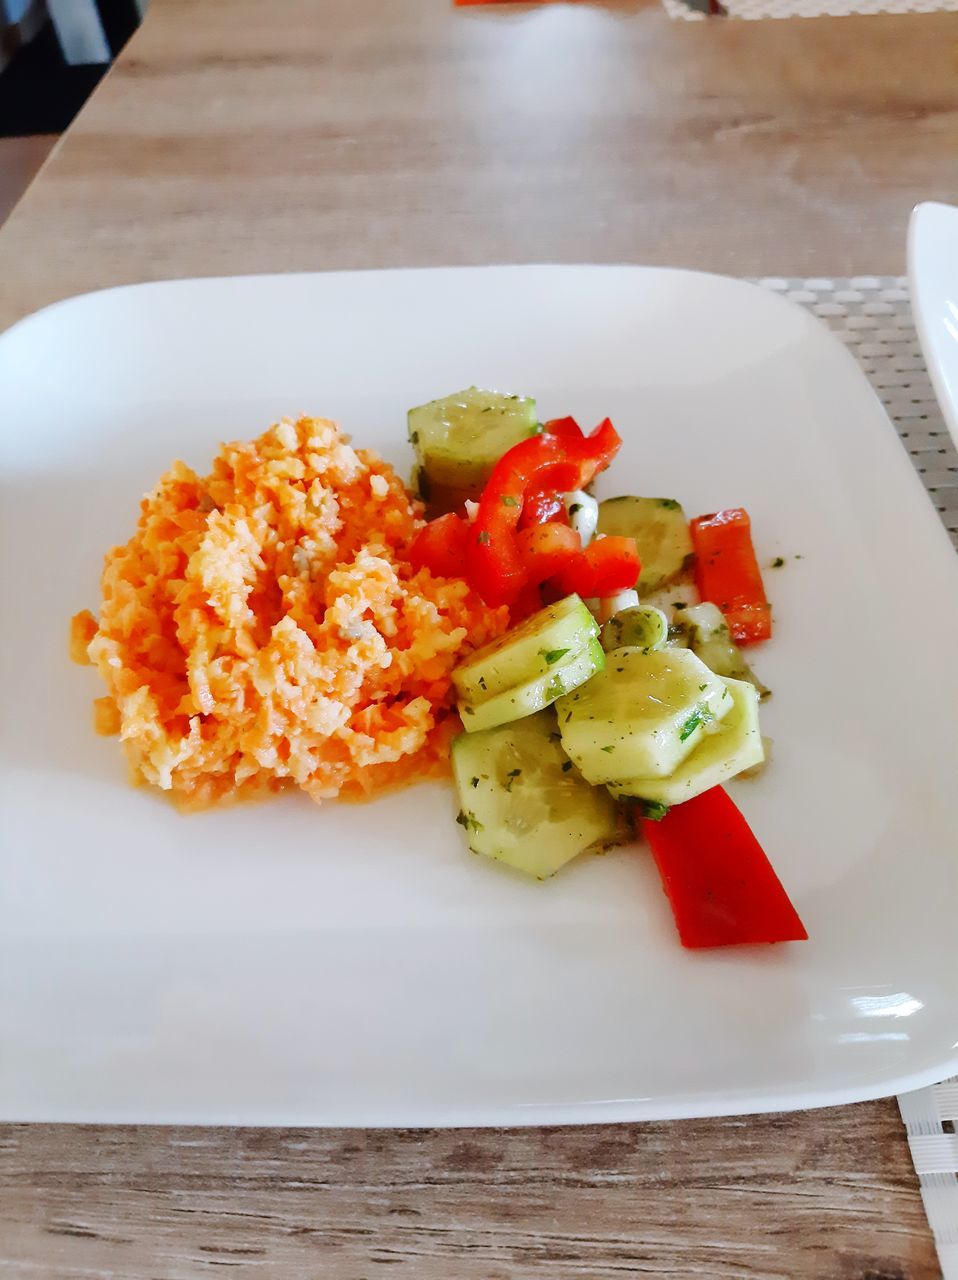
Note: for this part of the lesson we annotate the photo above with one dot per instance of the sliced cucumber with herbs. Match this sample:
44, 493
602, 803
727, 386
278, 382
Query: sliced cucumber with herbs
460, 438
640, 627
441, 498
661, 533
541, 691
523, 802
641, 715
531, 649
733, 745
711, 639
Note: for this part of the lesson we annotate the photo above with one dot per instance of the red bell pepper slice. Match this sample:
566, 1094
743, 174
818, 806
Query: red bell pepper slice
528, 602
565, 428
440, 546
727, 573
494, 565
543, 506
605, 567
545, 548
722, 888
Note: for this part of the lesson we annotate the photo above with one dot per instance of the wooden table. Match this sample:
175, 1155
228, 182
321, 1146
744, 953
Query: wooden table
238, 136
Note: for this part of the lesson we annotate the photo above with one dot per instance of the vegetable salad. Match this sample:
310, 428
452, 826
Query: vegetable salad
620, 698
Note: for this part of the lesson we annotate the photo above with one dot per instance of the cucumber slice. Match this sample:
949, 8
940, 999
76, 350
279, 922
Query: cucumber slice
459, 439
441, 498
641, 627
661, 533
642, 715
733, 746
531, 649
525, 699
711, 639
523, 802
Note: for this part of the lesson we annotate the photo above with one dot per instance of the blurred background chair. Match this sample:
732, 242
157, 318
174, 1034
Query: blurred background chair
53, 53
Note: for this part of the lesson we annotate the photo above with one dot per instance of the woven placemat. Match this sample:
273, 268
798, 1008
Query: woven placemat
871, 314
697, 10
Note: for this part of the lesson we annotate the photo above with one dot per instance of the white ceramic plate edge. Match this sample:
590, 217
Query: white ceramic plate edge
930, 225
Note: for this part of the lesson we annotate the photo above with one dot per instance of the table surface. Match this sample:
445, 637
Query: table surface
298, 135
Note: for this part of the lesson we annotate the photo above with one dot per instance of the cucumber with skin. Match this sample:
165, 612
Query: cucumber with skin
641, 715
535, 694
460, 438
734, 745
661, 533
523, 802
531, 649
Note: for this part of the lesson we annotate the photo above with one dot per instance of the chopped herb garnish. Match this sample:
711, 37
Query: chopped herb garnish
555, 737
482, 682
555, 687
702, 688
778, 562
576, 506
513, 773
469, 711
553, 655
483, 538
509, 501
699, 717
670, 504
469, 821
567, 766
654, 810
608, 749
487, 409
679, 604
475, 782
414, 438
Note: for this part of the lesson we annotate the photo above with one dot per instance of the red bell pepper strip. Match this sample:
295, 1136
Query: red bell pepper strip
493, 563
440, 546
543, 506
721, 886
545, 548
529, 602
565, 428
605, 567
727, 573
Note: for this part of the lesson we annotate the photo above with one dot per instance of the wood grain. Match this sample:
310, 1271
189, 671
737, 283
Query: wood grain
20, 161
238, 136
827, 1195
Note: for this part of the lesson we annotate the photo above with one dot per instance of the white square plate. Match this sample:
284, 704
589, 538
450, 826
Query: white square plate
287, 964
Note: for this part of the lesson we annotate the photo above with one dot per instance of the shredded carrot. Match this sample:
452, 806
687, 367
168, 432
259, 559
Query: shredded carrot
263, 626
83, 628
106, 716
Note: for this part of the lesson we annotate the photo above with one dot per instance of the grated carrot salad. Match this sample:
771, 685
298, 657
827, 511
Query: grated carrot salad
264, 628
